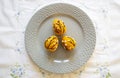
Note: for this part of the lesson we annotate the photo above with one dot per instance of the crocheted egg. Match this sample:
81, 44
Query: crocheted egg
51, 44
68, 43
59, 27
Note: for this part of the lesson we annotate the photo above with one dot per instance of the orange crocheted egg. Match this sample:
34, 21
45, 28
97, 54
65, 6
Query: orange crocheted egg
51, 44
59, 27
68, 43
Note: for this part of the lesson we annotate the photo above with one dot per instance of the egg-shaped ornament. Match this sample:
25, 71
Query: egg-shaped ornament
51, 43
59, 27
68, 43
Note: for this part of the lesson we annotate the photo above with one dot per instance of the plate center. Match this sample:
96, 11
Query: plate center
74, 30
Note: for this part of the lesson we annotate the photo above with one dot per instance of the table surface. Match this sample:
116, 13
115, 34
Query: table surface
15, 62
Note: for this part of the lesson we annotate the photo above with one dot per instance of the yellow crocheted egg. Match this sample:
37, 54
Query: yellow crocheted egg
59, 27
68, 43
51, 44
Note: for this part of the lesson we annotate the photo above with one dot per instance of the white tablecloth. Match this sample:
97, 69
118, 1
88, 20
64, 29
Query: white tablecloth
14, 60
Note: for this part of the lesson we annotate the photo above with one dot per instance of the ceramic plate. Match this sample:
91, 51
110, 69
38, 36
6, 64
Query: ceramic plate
79, 26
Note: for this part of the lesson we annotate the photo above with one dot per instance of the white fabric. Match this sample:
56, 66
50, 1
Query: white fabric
14, 61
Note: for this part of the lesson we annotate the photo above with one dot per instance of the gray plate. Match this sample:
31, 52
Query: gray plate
79, 26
